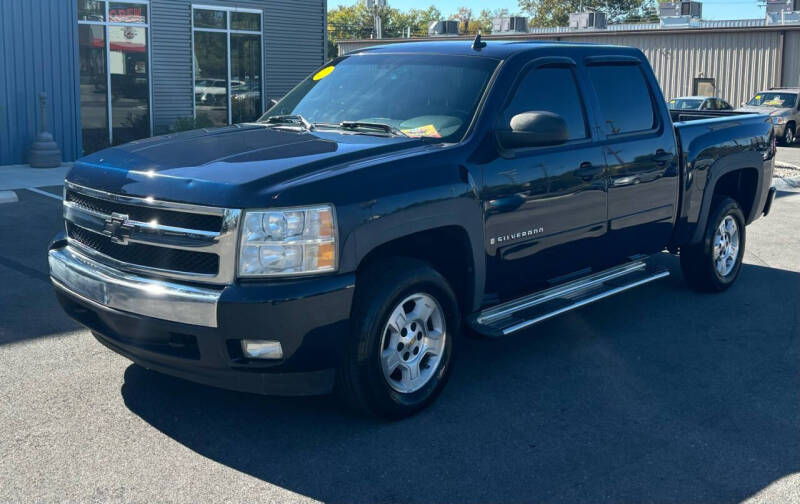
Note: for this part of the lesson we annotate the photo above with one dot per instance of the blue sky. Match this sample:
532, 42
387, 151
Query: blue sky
712, 9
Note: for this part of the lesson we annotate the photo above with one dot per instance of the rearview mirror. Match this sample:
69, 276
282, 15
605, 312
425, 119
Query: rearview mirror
533, 129
271, 103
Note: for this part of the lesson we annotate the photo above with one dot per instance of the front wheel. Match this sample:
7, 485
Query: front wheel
404, 324
789, 135
713, 264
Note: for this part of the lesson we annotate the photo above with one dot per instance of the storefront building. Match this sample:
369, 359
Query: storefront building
117, 71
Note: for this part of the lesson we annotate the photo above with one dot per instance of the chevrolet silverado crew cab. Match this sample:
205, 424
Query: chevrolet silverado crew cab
393, 197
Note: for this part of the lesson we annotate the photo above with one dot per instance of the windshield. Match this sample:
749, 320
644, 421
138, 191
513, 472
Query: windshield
421, 95
685, 103
774, 100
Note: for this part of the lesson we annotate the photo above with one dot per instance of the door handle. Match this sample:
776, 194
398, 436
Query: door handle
662, 157
588, 171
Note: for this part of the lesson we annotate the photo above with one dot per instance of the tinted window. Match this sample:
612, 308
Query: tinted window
551, 89
625, 103
723, 105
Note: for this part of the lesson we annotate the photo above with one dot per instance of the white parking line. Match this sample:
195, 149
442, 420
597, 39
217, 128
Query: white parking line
44, 193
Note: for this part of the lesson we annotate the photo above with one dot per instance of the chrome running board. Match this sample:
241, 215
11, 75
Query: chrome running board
517, 314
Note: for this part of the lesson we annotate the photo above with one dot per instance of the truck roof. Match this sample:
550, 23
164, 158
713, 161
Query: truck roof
498, 49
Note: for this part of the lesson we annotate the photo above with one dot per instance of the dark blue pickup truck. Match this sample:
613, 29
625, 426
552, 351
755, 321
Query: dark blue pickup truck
395, 199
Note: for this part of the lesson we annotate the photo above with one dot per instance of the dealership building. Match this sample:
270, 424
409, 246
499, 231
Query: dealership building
116, 71
690, 56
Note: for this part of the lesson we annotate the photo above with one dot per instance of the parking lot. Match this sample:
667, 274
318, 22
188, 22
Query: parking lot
659, 394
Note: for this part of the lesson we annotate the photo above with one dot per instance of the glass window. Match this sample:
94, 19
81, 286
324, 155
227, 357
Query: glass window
204, 18
121, 12
211, 76
774, 100
91, 10
248, 21
245, 77
93, 83
551, 89
130, 111
624, 98
423, 95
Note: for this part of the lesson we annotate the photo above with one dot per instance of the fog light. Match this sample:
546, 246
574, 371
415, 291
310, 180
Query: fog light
262, 349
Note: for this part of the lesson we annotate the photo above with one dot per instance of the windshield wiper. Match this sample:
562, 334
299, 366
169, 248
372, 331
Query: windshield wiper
361, 125
290, 119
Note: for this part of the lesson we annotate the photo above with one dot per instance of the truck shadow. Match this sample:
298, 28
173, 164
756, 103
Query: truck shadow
659, 393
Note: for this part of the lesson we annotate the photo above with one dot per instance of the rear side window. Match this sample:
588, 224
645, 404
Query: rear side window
624, 98
551, 89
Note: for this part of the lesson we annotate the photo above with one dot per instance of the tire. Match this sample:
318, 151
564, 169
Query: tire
382, 289
789, 135
701, 263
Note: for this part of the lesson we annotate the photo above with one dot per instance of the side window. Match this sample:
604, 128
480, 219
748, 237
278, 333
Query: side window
551, 89
625, 103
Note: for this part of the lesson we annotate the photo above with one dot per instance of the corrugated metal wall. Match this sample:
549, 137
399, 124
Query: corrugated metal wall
294, 45
740, 62
38, 52
791, 59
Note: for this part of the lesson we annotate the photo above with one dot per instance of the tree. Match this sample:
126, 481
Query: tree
546, 13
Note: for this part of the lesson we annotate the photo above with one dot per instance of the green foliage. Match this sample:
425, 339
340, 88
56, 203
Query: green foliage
190, 123
545, 13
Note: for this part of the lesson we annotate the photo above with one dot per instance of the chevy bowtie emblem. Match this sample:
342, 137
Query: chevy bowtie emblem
117, 228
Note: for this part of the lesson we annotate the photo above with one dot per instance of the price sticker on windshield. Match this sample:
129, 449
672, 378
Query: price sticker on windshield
323, 73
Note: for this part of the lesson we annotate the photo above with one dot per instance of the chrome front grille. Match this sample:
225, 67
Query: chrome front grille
173, 240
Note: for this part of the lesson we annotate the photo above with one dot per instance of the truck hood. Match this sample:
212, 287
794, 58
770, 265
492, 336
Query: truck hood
771, 111
234, 166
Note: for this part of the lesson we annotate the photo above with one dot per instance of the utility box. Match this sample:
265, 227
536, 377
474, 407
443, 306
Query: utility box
442, 28
587, 20
509, 24
673, 9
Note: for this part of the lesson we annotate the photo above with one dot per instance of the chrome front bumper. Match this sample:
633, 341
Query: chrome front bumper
107, 287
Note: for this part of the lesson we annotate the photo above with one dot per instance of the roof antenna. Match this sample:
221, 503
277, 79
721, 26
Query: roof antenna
478, 44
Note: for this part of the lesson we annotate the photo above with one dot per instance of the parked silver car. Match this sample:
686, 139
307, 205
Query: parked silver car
698, 103
783, 104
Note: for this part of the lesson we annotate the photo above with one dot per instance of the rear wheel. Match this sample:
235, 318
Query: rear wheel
713, 264
405, 320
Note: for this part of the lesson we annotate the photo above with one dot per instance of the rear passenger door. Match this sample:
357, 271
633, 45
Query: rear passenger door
545, 207
638, 143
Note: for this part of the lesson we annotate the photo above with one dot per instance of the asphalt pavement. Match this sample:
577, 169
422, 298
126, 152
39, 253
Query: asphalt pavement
656, 395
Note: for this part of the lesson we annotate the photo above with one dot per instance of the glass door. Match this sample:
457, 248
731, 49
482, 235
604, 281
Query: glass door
114, 72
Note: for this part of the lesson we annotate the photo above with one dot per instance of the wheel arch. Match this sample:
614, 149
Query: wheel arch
737, 176
449, 248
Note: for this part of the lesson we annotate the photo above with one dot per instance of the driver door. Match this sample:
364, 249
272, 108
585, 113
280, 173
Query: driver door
545, 207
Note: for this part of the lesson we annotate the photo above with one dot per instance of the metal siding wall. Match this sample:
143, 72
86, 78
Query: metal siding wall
171, 65
294, 45
740, 62
294, 34
38, 44
791, 59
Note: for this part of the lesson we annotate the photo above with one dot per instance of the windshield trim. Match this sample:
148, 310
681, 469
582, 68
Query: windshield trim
366, 53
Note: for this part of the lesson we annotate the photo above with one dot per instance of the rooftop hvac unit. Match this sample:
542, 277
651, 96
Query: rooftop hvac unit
779, 6
442, 28
509, 24
672, 9
584, 20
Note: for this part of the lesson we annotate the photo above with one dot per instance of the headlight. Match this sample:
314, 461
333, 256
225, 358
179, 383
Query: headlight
290, 241
778, 120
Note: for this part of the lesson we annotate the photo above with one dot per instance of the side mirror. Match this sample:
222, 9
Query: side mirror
534, 129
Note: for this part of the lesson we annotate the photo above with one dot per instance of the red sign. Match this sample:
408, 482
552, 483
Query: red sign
129, 15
